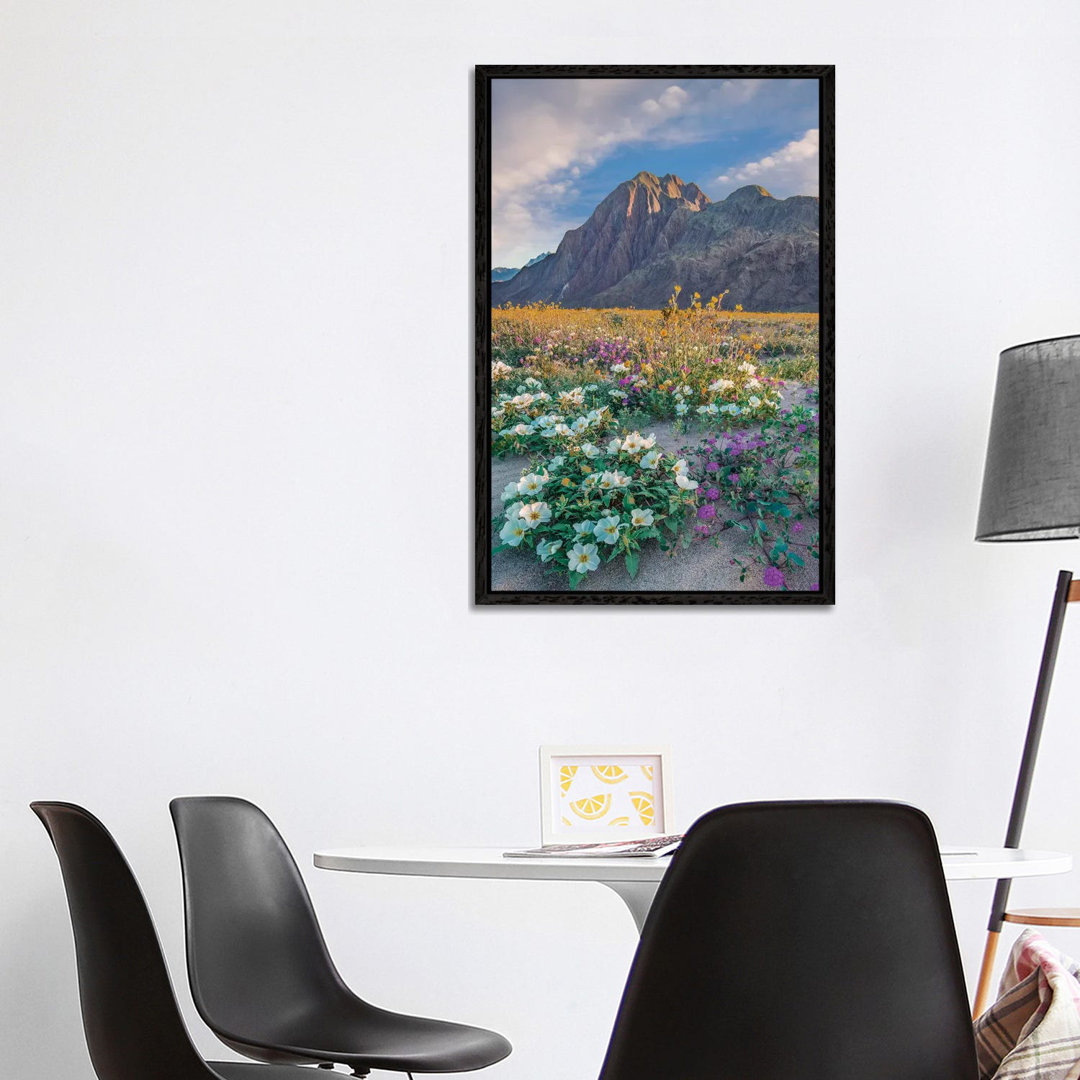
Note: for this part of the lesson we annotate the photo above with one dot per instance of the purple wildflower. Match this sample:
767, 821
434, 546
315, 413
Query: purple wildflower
800, 428
733, 478
797, 527
712, 493
774, 578
713, 466
706, 512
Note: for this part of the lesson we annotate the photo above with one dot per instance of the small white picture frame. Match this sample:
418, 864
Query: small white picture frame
590, 794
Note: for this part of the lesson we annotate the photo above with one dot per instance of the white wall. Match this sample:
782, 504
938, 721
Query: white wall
236, 475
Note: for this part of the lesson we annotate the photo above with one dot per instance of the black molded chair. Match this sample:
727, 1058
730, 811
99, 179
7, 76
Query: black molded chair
133, 1026
798, 941
259, 969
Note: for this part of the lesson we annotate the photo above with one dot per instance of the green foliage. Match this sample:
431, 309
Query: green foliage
586, 507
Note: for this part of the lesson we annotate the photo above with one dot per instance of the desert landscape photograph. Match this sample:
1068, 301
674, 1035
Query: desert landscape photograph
652, 371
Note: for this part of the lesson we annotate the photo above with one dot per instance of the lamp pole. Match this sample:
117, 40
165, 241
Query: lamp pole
1065, 592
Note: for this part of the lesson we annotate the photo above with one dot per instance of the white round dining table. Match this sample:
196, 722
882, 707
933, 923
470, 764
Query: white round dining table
637, 879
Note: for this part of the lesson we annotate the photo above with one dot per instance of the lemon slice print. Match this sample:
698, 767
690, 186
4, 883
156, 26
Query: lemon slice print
643, 804
592, 807
609, 774
566, 777
646, 771
624, 820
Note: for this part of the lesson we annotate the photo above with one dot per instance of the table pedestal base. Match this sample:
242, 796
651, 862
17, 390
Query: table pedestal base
637, 896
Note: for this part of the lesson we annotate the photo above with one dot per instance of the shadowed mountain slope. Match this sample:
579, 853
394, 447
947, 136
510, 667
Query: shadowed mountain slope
652, 233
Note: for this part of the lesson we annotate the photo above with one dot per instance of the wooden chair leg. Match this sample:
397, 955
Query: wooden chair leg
982, 992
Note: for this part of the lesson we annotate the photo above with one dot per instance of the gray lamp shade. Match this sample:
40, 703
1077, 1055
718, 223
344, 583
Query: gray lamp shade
1031, 484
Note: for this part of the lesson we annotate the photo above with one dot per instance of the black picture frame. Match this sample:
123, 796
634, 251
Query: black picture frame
485, 594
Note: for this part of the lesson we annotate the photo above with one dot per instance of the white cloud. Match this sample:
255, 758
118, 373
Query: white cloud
792, 170
671, 100
674, 97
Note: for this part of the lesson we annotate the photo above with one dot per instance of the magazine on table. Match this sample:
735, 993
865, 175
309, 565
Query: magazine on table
649, 847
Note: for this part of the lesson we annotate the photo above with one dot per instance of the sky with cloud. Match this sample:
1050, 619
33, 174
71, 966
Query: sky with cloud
560, 145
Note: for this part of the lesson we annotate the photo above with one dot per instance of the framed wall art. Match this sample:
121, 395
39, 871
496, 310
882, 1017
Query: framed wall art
592, 794
654, 335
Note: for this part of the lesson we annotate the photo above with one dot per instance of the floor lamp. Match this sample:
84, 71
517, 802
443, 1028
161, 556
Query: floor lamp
1031, 491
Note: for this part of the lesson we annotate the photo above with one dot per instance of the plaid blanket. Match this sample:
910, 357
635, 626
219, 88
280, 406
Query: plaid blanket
1032, 1031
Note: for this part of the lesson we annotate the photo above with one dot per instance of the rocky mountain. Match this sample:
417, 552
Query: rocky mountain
505, 273
652, 233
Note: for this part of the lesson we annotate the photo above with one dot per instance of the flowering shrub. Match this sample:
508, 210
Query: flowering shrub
766, 484
535, 421
595, 503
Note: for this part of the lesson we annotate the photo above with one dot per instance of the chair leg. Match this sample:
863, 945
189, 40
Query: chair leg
983, 990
